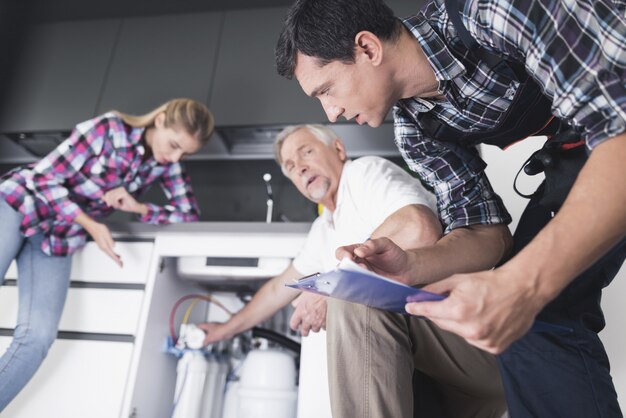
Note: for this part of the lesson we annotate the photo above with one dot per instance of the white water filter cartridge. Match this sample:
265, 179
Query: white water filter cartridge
191, 372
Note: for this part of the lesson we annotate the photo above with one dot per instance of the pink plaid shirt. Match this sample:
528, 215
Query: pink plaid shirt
100, 154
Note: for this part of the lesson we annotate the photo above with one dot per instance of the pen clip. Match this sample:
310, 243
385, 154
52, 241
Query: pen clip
306, 277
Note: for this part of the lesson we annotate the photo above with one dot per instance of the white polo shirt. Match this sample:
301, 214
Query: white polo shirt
370, 190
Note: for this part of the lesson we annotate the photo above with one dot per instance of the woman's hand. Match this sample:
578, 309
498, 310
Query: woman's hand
120, 199
100, 234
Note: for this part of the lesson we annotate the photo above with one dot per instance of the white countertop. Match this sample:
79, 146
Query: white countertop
142, 230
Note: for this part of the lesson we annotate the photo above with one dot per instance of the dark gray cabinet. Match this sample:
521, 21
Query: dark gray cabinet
72, 71
247, 90
59, 76
161, 58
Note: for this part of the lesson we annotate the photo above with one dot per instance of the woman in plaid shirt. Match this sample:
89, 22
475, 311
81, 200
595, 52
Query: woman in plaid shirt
48, 208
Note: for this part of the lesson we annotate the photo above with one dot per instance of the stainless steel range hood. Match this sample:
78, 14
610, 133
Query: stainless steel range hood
256, 142
235, 142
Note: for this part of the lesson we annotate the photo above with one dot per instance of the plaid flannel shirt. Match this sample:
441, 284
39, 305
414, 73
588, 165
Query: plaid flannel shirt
101, 154
576, 50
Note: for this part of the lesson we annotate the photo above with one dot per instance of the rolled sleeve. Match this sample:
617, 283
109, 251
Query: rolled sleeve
604, 115
464, 195
154, 214
182, 204
69, 210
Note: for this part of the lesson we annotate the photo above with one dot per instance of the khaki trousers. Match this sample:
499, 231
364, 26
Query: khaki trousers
372, 355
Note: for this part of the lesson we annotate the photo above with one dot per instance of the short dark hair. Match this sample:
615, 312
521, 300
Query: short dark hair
325, 29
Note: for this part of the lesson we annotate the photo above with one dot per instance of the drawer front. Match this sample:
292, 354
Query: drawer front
11, 272
90, 264
106, 311
78, 379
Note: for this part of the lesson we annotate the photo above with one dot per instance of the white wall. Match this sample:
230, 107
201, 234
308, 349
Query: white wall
501, 171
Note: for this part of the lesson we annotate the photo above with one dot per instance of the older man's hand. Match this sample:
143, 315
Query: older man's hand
309, 314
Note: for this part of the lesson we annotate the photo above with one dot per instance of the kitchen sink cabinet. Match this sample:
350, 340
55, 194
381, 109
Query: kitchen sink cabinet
108, 359
80, 378
88, 367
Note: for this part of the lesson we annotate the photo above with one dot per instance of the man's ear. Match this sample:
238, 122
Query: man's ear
368, 46
341, 150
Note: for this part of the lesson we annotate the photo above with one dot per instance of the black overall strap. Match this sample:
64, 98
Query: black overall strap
560, 166
454, 10
434, 127
528, 113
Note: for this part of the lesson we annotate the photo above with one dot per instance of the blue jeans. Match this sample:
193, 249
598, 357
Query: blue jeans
42, 284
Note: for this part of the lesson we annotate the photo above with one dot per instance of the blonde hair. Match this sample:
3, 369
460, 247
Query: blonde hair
190, 115
321, 132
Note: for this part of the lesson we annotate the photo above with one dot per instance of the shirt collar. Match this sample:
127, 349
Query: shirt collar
444, 64
327, 215
135, 137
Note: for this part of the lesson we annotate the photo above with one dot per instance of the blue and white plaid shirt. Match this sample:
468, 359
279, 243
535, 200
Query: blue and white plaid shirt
576, 51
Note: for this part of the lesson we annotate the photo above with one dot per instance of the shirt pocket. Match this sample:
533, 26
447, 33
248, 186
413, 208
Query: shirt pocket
485, 95
109, 169
96, 166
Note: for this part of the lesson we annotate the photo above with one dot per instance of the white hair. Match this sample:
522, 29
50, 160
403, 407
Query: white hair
321, 132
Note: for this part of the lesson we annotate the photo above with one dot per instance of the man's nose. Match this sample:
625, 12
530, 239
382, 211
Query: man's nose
301, 167
332, 112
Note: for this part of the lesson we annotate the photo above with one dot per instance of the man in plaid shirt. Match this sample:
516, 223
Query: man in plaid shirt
360, 61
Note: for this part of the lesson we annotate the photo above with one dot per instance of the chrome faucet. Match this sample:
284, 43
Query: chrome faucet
270, 199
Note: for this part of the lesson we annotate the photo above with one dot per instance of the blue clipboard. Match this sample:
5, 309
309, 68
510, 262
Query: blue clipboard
353, 283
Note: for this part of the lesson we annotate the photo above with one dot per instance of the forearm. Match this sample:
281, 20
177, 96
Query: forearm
141, 209
85, 221
414, 255
268, 300
157, 215
182, 204
412, 226
590, 222
464, 250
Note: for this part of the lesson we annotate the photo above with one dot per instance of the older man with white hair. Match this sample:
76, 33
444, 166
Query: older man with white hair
369, 197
